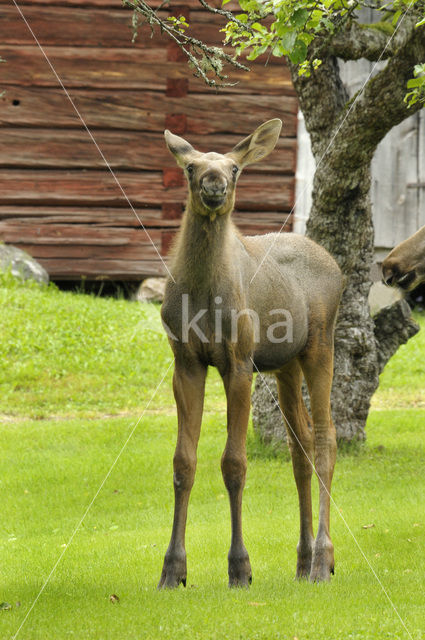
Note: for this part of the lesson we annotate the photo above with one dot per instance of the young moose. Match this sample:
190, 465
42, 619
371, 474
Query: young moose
220, 277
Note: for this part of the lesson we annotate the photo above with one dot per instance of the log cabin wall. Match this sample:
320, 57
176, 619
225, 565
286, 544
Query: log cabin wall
58, 200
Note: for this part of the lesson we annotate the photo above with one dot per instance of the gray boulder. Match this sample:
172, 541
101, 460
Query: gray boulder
22, 265
267, 417
151, 290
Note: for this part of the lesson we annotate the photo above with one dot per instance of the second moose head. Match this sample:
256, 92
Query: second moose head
212, 176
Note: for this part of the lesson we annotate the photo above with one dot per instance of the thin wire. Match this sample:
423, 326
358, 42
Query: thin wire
333, 501
91, 136
46, 582
310, 182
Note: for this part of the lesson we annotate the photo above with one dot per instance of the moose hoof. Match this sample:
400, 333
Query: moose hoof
304, 557
303, 568
173, 572
323, 565
240, 574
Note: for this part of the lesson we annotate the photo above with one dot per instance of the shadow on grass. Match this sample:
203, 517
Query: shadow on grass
257, 449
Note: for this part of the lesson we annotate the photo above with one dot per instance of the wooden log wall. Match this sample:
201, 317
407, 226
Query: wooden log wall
58, 200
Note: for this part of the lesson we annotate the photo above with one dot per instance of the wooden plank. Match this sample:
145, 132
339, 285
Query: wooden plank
107, 217
53, 148
127, 252
112, 217
89, 67
73, 3
394, 165
113, 4
194, 5
261, 79
126, 69
98, 269
84, 187
130, 110
48, 187
73, 26
62, 234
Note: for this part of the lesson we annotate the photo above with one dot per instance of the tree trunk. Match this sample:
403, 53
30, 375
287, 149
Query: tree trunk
343, 142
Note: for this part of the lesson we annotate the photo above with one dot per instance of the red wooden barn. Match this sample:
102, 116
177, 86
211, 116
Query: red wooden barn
58, 199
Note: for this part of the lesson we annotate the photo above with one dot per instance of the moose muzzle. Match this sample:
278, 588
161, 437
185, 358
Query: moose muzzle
213, 189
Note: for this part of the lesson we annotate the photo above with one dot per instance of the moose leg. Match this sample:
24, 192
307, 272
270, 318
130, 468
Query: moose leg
300, 440
233, 466
318, 370
188, 386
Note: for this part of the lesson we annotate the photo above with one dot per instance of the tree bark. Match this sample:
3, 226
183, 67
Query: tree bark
344, 136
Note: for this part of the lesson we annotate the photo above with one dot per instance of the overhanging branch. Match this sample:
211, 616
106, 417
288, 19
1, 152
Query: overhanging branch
381, 102
201, 57
358, 41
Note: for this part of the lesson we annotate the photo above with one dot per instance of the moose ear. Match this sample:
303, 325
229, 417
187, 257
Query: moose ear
180, 148
258, 145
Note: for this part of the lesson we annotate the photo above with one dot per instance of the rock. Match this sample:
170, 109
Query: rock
382, 296
151, 290
266, 415
22, 265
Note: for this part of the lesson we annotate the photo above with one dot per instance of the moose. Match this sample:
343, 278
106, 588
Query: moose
218, 274
404, 266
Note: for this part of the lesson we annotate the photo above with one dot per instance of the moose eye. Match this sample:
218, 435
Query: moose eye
189, 169
235, 170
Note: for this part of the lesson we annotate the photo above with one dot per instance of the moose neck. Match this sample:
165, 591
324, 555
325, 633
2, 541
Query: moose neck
203, 250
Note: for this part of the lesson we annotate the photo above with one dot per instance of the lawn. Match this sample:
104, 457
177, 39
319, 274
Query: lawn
77, 378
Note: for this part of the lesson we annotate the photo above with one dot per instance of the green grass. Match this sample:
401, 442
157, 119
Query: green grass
65, 354
69, 406
403, 381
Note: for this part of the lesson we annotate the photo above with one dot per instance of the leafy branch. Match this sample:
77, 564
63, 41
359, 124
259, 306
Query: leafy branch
203, 58
306, 30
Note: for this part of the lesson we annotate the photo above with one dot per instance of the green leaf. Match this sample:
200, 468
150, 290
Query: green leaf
299, 52
396, 17
257, 51
418, 68
225, 2
280, 28
305, 37
411, 98
416, 82
288, 40
278, 50
248, 5
328, 24
299, 18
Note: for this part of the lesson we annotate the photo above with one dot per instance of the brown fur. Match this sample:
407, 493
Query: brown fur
211, 258
405, 264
